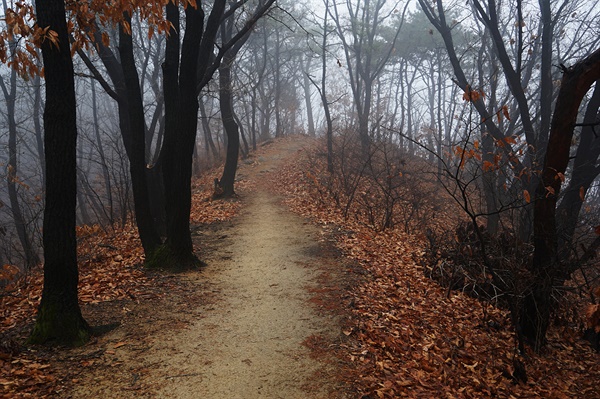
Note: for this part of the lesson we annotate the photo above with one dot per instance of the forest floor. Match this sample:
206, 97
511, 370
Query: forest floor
243, 332
302, 304
252, 322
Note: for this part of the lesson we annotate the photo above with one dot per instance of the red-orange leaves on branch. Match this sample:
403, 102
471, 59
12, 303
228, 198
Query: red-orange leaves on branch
21, 36
16, 25
526, 196
505, 112
488, 166
502, 112
17, 53
465, 154
472, 95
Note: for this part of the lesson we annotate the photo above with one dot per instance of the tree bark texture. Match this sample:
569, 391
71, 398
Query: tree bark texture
546, 269
179, 238
181, 119
59, 316
584, 173
127, 93
137, 150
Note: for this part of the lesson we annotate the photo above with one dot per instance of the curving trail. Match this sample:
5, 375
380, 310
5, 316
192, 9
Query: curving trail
247, 341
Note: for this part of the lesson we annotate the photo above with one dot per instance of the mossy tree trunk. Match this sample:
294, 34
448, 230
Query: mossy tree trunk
59, 317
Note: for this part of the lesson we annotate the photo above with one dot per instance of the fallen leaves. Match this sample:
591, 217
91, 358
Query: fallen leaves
404, 336
408, 339
110, 269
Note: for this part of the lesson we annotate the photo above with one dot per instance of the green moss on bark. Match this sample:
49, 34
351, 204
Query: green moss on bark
61, 327
165, 258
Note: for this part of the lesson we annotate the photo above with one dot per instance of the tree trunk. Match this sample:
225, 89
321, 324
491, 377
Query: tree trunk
227, 114
104, 164
39, 135
307, 99
278, 123
535, 312
210, 144
137, 154
489, 180
127, 93
170, 69
59, 316
244, 148
179, 237
181, 118
323, 94
585, 172
12, 177
231, 129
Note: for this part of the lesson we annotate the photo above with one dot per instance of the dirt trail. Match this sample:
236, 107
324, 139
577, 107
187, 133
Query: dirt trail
247, 342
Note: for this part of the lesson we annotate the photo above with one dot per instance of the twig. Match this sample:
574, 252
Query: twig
183, 375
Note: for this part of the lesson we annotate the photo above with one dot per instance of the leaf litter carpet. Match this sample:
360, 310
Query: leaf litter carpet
283, 309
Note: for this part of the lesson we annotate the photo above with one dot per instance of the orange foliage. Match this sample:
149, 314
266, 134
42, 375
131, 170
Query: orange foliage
22, 37
473, 95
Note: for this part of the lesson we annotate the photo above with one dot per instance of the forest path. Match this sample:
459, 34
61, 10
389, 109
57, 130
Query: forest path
246, 340
249, 344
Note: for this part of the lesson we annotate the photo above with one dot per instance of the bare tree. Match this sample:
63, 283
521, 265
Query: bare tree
365, 53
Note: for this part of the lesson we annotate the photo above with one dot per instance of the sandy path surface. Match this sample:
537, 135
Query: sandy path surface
247, 340
249, 344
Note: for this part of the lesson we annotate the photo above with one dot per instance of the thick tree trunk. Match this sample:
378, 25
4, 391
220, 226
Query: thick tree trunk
363, 131
181, 118
546, 269
170, 69
127, 93
59, 316
137, 153
179, 237
585, 172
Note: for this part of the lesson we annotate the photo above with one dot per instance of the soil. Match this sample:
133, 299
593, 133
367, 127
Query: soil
252, 323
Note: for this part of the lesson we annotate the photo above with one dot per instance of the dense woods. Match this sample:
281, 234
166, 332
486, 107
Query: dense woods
468, 127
